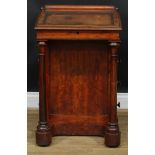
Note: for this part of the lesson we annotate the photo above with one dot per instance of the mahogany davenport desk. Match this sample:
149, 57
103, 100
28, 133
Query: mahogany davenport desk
78, 72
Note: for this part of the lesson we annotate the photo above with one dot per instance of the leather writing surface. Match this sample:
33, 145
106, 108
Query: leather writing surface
79, 18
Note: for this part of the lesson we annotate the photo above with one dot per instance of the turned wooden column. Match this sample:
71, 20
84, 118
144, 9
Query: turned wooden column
112, 134
43, 133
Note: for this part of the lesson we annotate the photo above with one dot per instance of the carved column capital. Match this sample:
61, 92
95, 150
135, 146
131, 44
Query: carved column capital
42, 47
114, 43
42, 42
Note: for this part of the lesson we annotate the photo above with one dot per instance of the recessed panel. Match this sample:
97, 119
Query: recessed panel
78, 78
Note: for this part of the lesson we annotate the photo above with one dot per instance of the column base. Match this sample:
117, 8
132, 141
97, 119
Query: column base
43, 135
112, 135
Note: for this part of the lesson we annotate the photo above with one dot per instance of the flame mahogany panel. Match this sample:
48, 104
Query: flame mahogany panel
78, 86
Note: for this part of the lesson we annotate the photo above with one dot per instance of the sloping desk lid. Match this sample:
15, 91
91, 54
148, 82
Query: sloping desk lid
69, 17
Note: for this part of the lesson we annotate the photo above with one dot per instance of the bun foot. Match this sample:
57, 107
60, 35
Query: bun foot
43, 136
112, 135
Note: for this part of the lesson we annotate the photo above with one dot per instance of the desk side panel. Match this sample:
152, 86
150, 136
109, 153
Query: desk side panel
78, 83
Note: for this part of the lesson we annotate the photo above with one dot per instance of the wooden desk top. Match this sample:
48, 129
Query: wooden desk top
81, 17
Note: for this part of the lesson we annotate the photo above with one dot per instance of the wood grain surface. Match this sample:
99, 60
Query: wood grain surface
78, 87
